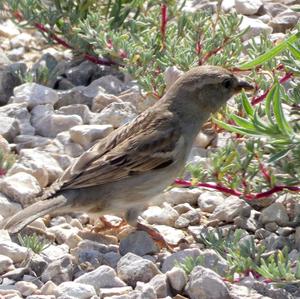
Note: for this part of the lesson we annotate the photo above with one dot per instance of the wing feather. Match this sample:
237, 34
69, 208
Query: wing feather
134, 149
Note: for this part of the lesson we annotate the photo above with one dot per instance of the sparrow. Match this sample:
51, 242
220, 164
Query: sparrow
121, 173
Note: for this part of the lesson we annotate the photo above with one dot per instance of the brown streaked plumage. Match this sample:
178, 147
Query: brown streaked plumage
123, 171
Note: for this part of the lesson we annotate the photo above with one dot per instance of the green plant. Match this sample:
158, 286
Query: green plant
34, 242
144, 38
130, 35
189, 263
244, 255
6, 162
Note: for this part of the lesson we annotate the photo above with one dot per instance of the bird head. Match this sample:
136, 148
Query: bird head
206, 88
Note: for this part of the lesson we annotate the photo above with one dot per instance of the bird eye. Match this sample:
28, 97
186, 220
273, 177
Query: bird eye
227, 83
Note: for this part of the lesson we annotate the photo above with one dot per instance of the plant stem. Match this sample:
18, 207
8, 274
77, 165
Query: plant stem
249, 197
63, 43
282, 80
163, 26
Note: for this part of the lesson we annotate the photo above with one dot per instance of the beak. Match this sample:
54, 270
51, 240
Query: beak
243, 85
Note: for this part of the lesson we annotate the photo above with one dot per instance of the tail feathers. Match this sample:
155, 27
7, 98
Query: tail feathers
29, 214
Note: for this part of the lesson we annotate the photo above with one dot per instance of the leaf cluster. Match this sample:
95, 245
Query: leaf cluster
33, 242
244, 255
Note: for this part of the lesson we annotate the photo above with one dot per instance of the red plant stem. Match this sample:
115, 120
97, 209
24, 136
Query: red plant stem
60, 41
198, 47
53, 36
264, 172
260, 98
249, 197
164, 20
213, 52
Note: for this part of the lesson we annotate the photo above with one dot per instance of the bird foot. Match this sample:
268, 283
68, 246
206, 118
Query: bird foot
109, 227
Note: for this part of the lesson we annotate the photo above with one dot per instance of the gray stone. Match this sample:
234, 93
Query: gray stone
229, 209
4, 60
161, 286
157, 215
70, 148
39, 164
9, 29
114, 292
9, 128
139, 243
75, 289
273, 242
262, 233
276, 212
241, 292
9, 79
206, 284
21, 187
81, 74
40, 297
256, 28
140, 102
29, 141
86, 135
49, 124
72, 97
179, 195
132, 268
96, 253
60, 270
20, 113
102, 100
14, 251
101, 277
34, 94
274, 8
115, 114
271, 226
38, 264
183, 208
110, 84
171, 74
65, 234
181, 222
297, 238
209, 200
16, 54
8, 207
227, 5
82, 110
214, 261
177, 278
284, 21
55, 252
26, 288
249, 224
6, 264
248, 7
179, 257
23, 39
143, 291
171, 235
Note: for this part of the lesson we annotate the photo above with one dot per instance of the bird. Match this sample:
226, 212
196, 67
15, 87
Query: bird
122, 172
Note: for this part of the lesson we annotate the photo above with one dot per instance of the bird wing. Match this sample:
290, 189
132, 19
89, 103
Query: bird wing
131, 150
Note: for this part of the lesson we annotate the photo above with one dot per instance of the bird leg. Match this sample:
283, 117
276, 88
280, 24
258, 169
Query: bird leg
107, 226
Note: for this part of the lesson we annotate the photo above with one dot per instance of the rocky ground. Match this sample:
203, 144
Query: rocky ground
48, 127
